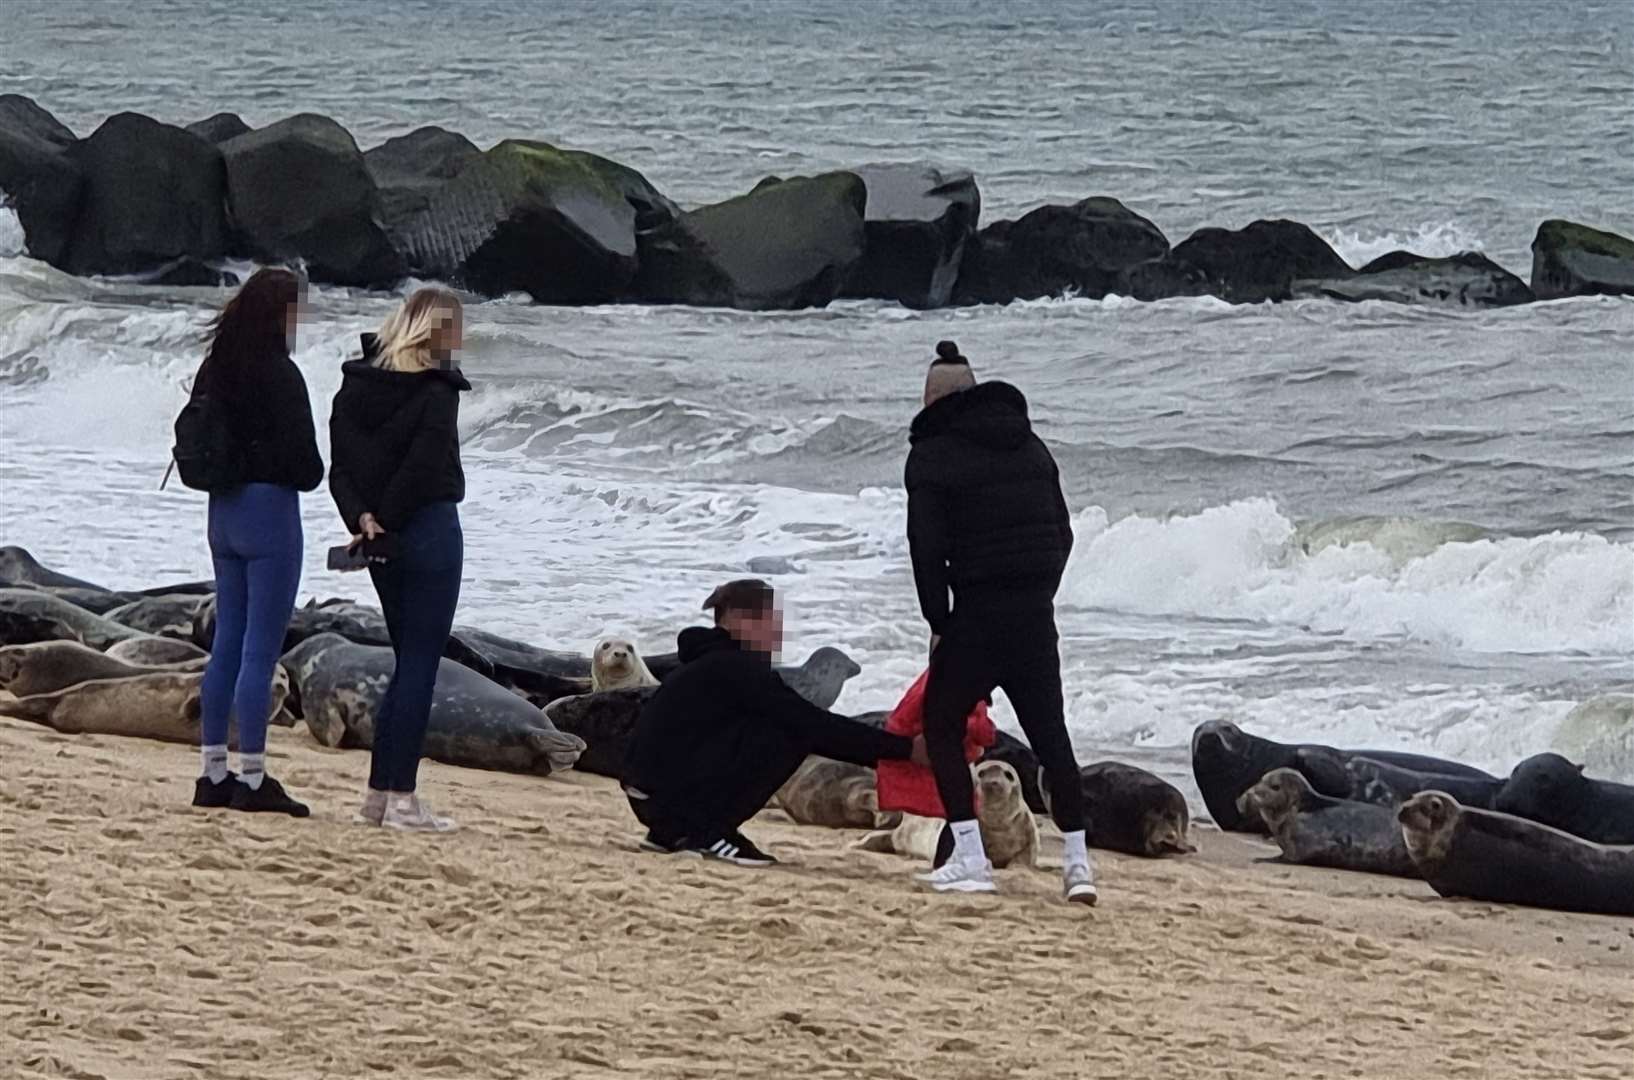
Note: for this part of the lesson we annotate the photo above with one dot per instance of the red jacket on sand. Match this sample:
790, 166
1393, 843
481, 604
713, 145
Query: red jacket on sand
911, 788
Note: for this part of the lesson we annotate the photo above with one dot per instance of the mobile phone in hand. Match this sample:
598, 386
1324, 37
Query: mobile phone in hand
348, 557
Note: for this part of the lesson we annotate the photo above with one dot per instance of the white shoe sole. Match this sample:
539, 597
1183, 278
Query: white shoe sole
407, 827
1084, 894
963, 886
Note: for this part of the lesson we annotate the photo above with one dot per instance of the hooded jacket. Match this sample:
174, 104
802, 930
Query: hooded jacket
394, 441
986, 517
910, 788
691, 729
269, 419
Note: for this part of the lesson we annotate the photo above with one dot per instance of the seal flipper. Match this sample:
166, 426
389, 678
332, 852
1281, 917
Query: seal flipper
877, 841
558, 748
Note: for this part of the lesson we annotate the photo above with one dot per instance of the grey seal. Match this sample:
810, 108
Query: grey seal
47, 666
1131, 810
29, 615
1549, 789
1314, 830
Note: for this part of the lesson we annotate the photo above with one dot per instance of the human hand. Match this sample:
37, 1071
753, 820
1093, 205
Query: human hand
369, 527
920, 754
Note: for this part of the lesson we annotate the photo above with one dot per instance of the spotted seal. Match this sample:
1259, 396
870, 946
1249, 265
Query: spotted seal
29, 615
475, 722
1500, 858
161, 705
47, 666
1315, 830
835, 794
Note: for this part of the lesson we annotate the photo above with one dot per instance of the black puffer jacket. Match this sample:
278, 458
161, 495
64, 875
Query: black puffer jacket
394, 441
986, 517
689, 731
268, 415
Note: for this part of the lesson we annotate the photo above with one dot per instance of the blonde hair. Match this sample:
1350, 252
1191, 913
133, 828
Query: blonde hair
405, 337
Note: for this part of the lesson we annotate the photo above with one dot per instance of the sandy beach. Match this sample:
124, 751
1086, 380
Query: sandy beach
146, 939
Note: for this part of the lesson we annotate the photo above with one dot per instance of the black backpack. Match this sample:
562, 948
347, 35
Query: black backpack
204, 456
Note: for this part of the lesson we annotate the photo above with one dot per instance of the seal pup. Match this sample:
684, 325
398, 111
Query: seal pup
157, 652
162, 705
475, 722
1390, 785
169, 616
1226, 761
1020, 757
616, 664
1009, 830
1131, 810
47, 666
834, 794
605, 721
1549, 789
29, 615
1315, 830
1496, 857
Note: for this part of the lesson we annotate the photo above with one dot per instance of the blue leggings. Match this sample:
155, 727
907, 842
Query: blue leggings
255, 542
418, 592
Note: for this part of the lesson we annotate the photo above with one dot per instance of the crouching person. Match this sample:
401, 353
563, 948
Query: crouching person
724, 732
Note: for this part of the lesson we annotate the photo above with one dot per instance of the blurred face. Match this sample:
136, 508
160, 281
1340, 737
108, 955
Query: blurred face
293, 314
450, 333
756, 631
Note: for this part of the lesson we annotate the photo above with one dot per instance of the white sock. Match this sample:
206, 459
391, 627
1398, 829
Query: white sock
214, 762
1076, 849
252, 769
967, 843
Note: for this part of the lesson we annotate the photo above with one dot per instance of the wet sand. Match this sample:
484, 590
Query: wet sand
144, 939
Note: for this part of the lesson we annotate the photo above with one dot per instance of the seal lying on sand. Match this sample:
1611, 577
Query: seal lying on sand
1226, 761
1390, 785
1020, 757
1009, 830
835, 794
616, 664
1549, 789
1314, 830
606, 721
47, 666
169, 616
1130, 810
156, 651
474, 722
161, 705
28, 615
1486, 855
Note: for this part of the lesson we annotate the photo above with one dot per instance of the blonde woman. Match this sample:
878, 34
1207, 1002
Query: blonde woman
396, 477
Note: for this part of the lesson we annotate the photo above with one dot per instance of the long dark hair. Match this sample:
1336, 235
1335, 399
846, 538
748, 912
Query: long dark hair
249, 331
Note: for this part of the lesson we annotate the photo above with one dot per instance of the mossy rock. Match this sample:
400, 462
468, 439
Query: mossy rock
530, 217
1569, 259
785, 245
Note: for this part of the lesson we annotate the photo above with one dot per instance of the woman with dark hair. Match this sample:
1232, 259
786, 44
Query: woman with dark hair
255, 530
394, 435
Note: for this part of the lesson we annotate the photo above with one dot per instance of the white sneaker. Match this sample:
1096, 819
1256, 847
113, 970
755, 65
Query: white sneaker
409, 813
956, 875
1078, 884
373, 809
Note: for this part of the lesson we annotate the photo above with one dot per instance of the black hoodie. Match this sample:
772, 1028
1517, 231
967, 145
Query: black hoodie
394, 441
690, 731
986, 517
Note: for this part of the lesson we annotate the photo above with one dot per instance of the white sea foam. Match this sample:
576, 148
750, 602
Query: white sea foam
12, 241
1562, 591
1435, 240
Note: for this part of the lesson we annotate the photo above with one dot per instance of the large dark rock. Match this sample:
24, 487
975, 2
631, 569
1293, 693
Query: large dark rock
918, 222
785, 245
219, 128
411, 168
527, 216
1468, 279
154, 193
298, 189
37, 177
1083, 249
1574, 260
1243, 266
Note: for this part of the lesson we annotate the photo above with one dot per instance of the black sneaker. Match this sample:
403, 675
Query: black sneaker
269, 798
214, 796
736, 849
658, 845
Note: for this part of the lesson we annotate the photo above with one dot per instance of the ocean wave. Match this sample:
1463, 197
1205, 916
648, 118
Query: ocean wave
1435, 240
1599, 734
1367, 578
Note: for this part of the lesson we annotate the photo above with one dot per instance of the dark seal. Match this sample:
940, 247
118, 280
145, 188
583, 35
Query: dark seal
1130, 810
1500, 858
1315, 830
1549, 789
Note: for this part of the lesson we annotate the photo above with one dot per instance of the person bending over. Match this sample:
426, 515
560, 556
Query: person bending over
724, 732
987, 523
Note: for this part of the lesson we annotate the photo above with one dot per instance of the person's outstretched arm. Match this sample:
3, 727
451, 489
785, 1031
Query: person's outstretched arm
824, 733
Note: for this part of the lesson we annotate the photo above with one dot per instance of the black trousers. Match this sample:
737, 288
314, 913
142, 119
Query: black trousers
1016, 651
761, 758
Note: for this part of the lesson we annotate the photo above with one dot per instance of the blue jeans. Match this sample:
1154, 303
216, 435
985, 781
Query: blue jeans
418, 592
255, 543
